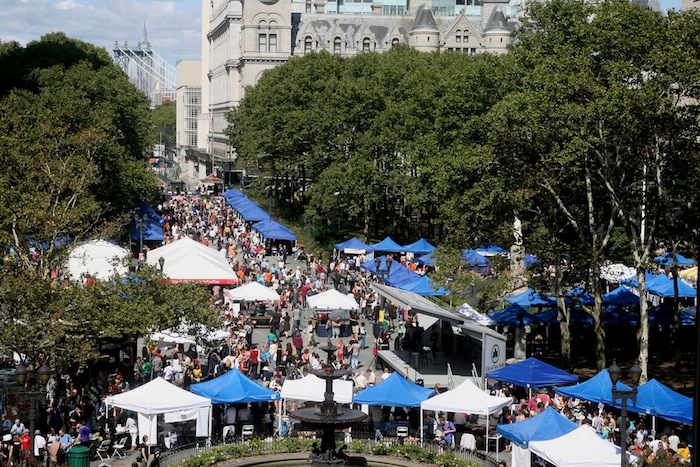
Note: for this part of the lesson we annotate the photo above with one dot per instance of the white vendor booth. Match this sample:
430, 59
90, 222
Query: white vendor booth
161, 397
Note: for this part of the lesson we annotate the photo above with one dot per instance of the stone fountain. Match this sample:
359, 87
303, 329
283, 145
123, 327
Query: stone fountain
330, 416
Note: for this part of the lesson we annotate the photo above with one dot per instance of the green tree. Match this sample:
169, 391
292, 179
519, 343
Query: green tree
164, 123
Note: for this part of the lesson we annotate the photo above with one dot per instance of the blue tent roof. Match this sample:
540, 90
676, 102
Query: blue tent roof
621, 296
399, 275
388, 245
549, 316
428, 259
530, 260
616, 315
425, 287
662, 285
663, 314
549, 424
273, 230
596, 389
153, 230
532, 373
578, 295
250, 211
530, 298
420, 247
394, 391
490, 249
667, 260
653, 398
512, 315
232, 194
236, 201
353, 244
474, 259
233, 387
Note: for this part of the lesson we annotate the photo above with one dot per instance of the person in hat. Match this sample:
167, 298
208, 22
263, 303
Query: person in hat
39, 448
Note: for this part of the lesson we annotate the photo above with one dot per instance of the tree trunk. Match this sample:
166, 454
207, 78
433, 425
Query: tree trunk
598, 319
564, 319
675, 347
643, 324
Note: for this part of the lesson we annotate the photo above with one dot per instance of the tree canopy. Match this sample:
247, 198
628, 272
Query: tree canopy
73, 139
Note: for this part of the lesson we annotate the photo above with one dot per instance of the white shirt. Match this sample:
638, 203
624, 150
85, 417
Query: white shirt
39, 443
131, 425
385, 375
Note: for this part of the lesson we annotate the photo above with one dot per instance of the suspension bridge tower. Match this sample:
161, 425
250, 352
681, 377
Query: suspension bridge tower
150, 73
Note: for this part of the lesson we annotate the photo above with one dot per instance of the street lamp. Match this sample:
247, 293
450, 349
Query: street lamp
383, 272
161, 263
141, 223
615, 372
43, 374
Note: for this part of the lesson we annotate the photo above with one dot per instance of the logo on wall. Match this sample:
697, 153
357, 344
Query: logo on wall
495, 353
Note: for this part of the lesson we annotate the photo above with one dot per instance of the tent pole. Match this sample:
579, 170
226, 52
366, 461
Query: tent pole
421, 426
279, 421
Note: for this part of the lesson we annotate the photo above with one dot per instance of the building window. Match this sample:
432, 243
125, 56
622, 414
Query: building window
465, 38
273, 43
307, 44
394, 42
366, 43
262, 43
308, 7
336, 45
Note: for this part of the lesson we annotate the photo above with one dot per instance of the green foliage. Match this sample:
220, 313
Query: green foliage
164, 122
449, 460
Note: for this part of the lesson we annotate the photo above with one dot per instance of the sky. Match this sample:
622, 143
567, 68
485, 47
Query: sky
174, 26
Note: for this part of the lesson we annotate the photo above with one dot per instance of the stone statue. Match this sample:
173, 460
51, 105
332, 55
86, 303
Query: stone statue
518, 231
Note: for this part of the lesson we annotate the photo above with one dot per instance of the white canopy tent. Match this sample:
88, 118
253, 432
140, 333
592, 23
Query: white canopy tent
582, 447
332, 300
468, 398
186, 260
97, 258
312, 388
253, 292
161, 397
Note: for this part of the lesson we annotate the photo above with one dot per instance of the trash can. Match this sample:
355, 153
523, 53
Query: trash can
78, 456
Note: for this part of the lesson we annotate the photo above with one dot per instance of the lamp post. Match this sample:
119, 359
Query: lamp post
383, 271
625, 394
43, 374
140, 224
161, 263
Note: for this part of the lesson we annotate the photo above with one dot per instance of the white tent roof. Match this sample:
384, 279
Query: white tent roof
190, 261
467, 397
579, 448
156, 397
253, 292
175, 337
312, 388
332, 300
97, 258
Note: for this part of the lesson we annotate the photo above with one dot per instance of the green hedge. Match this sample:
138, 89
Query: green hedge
293, 445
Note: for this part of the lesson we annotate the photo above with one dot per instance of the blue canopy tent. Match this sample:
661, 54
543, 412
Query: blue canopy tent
353, 246
427, 260
399, 275
250, 211
474, 259
530, 260
663, 314
662, 286
579, 296
232, 193
425, 287
490, 249
152, 230
273, 230
653, 398
549, 424
596, 389
394, 391
233, 387
532, 373
420, 247
514, 315
388, 245
235, 201
667, 260
621, 296
616, 315
550, 316
530, 298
